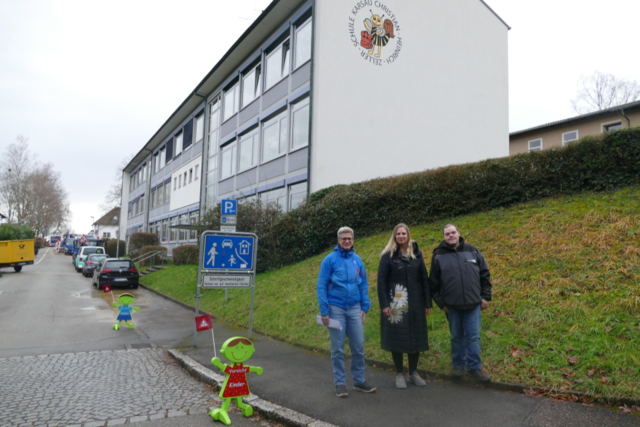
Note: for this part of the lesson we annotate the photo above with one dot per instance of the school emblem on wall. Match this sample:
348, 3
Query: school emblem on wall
375, 32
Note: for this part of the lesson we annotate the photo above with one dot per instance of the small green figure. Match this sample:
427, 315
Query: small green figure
125, 310
236, 350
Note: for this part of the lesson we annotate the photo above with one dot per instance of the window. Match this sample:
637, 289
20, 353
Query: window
144, 172
277, 65
185, 178
300, 125
214, 122
199, 128
172, 232
163, 157
177, 145
175, 184
278, 196
612, 126
197, 167
165, 228
231, 101
167, 192
535, 145
190, 175
228, 166
274, 137
250, 86
183, 221
159, 195
106, 235
567, 137
180, 181
303, 44
248, 150
152, 200
142, 203
297, 194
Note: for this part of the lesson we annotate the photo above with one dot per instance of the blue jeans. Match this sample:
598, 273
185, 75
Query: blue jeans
464, 326
352, 328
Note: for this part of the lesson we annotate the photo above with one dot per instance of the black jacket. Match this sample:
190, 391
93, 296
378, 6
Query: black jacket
459, 277
406, 330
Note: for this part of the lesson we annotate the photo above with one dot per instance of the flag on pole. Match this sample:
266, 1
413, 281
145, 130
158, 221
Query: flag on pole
203, 322
107, 288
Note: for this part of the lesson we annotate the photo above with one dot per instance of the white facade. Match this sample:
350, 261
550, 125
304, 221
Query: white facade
436, 96
185, 184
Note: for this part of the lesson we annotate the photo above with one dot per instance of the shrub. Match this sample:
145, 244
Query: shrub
40, 242
152, 248
16, 232
138, 240
111, 246
185, 255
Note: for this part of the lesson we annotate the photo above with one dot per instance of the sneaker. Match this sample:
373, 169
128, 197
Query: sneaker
457, 372
341, 391
415, 378
479, 375
400, 382
364, 387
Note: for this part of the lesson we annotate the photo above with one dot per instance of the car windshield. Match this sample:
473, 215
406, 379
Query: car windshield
94, 250
117, 265
69, 241
96, 258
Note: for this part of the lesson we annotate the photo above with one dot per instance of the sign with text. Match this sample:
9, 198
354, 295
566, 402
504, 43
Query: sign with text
228, 252
229, 220
211, 281
228, 228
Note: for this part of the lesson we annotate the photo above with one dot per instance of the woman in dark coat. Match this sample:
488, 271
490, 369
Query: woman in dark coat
403, 293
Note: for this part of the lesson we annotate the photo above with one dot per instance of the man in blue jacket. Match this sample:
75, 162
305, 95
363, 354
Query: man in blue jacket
343, 295
461, 286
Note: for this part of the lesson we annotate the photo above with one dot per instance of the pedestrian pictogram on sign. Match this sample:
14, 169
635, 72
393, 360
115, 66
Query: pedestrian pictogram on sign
203, 322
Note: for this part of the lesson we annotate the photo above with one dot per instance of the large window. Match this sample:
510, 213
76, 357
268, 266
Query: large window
228, 163
183, 221
193, 220
167, 192
274, 137
303, 44
277, 64
231, 101
210, 170
199, 128
300, 125
173, 233
165, 230
177, 144
249, 150
567, 137
152, 200
535, 144
297, 194
612, 126
277, 196
163, 157
250, 85
160, 196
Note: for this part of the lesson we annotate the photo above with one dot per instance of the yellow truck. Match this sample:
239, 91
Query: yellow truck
16, 253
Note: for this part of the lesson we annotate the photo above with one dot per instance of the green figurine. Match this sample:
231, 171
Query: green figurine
125, 310
236, 350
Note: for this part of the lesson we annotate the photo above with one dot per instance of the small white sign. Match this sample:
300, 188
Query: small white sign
229, 220
228, 228
218, 281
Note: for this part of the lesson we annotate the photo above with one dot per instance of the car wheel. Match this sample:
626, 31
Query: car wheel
18, 268
135, 286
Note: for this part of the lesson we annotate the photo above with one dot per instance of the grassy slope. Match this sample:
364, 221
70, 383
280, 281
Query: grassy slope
566, 304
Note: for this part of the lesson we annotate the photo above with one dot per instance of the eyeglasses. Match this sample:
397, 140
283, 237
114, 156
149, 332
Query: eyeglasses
346, 239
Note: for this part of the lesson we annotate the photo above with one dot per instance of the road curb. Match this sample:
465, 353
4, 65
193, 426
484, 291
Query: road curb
267, 409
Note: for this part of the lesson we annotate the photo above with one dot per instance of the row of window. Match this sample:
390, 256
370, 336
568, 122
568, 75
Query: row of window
161, 195
285, 198
178, 180
267, 141
167, 234
567, 137
172, 149
277, 66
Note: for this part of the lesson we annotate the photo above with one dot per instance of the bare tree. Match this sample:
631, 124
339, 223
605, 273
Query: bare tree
600, 91
113, 198
31, 193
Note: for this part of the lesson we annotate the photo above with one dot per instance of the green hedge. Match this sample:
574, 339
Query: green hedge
16, 232
152, 248
138, 240
185, 255
606, 162
111, 246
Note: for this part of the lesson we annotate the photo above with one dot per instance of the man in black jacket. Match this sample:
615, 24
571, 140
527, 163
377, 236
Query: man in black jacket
461, 286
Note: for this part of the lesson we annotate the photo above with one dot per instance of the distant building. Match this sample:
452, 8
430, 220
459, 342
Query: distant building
108, 225
323, 92
2, 217
560, 133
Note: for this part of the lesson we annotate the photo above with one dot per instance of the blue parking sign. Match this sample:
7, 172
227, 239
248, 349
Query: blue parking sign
229, 207
228, 252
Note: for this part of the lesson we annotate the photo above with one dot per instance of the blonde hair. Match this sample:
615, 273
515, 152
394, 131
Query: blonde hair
392, 246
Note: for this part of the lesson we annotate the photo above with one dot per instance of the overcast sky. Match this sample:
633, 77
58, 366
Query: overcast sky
89, 82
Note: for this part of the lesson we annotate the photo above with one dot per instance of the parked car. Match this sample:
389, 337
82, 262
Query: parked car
87, 242
69, 243
91, 263
116, 272
84, 252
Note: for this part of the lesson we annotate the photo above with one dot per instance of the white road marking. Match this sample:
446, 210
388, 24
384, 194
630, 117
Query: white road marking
45, 253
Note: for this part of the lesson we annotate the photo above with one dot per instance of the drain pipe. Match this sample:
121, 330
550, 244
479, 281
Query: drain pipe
628, 121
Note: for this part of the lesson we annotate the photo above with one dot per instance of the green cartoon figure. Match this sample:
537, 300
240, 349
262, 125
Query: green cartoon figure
236, 350
125, 310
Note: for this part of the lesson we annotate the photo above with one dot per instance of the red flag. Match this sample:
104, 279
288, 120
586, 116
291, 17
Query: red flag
107, 288
203, 322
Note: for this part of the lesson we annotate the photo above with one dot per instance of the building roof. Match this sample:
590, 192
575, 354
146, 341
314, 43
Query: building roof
2, 216
110, 218
628, 106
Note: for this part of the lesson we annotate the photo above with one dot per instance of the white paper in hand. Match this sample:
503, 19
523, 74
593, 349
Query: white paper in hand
333, 323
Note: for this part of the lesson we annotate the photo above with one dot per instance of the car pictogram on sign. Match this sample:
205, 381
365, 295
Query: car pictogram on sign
227, 243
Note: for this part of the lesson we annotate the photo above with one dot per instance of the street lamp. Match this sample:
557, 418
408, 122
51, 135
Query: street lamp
91, 224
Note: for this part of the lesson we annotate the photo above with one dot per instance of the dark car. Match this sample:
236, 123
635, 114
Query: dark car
115, 272
91, 263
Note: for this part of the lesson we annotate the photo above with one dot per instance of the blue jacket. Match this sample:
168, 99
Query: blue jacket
342, 281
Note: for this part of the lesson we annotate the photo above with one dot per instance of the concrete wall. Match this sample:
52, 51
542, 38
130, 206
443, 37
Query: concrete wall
437, 95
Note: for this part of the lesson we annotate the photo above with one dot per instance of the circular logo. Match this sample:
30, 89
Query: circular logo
374, 30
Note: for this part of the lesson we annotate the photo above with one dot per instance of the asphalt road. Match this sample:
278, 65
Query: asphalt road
62, 364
